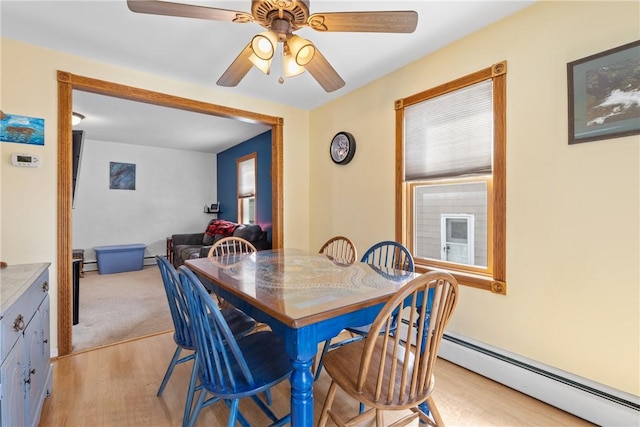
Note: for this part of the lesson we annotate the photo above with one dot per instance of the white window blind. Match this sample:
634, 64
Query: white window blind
450, 135
247, 178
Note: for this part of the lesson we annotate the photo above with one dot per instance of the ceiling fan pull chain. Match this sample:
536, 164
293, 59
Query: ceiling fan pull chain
281, 79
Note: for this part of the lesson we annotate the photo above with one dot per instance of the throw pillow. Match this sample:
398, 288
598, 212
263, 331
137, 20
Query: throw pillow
218, 227
250, 232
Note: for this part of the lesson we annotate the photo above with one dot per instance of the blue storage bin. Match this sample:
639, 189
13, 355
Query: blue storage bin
120, 258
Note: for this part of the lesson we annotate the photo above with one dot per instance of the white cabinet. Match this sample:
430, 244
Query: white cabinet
25, 367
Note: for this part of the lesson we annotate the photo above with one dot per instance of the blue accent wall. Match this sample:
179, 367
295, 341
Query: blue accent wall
228, 182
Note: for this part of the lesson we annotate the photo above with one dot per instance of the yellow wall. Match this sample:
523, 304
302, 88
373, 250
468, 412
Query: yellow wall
29, 196
573, 212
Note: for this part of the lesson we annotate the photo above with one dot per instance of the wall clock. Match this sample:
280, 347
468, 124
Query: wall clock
342, 148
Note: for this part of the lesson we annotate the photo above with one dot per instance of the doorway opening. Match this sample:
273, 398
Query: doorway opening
68, 82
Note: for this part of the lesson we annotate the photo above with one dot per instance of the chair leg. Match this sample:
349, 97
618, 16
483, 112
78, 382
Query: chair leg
167, 375
198, 407
241, 419
435, 414
331, 394
234, 413
327, 344
190, 392
379, 418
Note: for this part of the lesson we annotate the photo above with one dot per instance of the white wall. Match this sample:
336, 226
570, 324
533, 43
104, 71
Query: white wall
172, 187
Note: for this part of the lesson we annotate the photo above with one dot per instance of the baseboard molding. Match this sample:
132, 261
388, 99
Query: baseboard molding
579, 396
93, 265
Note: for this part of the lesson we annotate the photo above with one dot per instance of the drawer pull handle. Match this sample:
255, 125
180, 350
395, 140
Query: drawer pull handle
18, 324
45, 286
31, 372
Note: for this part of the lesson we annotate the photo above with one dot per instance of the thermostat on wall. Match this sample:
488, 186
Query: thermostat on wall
28, 160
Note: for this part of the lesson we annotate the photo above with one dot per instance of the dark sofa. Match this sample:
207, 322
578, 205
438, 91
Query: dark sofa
197, 245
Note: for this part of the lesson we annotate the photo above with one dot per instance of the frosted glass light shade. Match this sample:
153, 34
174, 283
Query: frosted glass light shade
291, 67
264, 45
301, 49
263, 65
76, 118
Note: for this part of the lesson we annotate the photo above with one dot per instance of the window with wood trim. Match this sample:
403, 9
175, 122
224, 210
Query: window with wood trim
247, 173
451, 178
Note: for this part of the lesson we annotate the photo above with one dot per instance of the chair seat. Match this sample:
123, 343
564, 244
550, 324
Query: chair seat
343, 365
266, 358
364, 330
360, 330
239, 323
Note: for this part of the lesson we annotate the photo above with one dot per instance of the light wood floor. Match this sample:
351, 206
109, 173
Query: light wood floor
117, 385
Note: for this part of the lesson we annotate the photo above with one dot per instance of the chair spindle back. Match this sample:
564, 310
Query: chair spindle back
393, 372
221, 362
340, 249
231, 246
177, 303
389, 254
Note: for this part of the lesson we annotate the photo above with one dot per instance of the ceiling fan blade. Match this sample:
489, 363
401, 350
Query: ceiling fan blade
324, 73
238, 69
368, 22
156, 7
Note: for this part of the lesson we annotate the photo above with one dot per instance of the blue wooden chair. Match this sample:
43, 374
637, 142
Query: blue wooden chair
239, 323
389, 254
231, 368
386, 254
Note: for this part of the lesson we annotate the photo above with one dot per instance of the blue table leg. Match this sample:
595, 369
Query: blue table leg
301, 393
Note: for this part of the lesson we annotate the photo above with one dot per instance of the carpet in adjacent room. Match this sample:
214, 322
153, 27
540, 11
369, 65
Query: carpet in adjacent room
119, 307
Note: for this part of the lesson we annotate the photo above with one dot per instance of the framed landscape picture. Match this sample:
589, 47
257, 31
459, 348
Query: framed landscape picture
604, 94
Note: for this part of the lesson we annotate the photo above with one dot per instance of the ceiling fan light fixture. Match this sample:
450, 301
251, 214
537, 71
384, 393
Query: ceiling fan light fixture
281, 18
76, 118
263, 65
301, 49
264, 45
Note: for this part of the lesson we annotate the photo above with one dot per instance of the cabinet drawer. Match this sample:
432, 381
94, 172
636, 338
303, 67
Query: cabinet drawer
18, 316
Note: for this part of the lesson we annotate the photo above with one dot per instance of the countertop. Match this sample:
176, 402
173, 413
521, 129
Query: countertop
14, 279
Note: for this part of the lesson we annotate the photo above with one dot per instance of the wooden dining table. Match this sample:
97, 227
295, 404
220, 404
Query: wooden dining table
306, 298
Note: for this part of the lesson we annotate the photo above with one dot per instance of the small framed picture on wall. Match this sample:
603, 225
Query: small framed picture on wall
122, 176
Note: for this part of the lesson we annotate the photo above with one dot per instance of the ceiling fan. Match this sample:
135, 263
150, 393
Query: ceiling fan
281, 18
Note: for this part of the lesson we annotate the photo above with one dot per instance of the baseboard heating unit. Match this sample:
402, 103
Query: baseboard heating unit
581, 397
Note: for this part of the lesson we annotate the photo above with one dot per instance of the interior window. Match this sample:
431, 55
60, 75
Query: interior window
451, 180
247, 189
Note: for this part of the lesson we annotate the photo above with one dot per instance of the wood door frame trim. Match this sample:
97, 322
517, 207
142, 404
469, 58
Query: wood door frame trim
67, 82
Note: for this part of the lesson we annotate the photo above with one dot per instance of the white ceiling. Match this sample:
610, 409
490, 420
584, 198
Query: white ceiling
129, 122
198, 51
